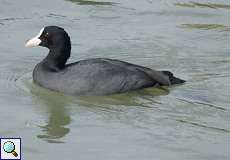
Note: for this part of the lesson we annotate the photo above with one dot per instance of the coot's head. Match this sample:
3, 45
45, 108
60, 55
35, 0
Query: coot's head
51, 37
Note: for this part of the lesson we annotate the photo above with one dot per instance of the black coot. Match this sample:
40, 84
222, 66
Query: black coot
99, 76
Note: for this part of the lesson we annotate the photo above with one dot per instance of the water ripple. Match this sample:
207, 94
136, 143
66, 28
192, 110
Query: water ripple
203, 104
14, 18
204, 126
88, 2
56, 15
219, 27
193, 4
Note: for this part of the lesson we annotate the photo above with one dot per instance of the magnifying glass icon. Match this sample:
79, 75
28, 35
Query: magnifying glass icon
9, 147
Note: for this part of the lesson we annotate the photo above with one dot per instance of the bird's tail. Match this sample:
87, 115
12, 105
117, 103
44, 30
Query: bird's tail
173, 80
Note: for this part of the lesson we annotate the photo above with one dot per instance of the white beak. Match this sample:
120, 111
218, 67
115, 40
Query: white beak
34, 41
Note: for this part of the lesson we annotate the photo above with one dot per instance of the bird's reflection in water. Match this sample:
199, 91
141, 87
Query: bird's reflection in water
58, 117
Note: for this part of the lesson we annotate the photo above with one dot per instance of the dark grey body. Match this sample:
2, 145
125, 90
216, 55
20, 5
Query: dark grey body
98, 77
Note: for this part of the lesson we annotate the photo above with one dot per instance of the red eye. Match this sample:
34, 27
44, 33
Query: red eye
47, 35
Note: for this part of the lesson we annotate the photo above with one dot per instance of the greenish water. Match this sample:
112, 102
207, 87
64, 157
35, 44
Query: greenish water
189, 38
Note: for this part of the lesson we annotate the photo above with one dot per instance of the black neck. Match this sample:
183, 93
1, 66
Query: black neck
57, 57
